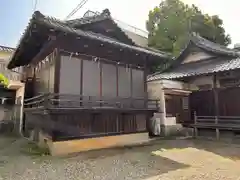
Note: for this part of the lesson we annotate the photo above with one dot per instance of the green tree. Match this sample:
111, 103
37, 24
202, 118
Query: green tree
170, 24
3, 80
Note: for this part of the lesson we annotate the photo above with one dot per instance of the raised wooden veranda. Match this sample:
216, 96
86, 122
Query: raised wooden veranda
216, 113
74, 117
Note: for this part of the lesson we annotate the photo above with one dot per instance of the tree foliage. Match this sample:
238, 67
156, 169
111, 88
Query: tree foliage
170, 24
3, 80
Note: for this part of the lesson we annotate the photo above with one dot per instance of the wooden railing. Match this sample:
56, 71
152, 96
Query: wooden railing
66, 101
73, 116
218, 123
36, 101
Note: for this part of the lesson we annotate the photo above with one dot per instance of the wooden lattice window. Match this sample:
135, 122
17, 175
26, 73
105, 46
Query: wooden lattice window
185, 103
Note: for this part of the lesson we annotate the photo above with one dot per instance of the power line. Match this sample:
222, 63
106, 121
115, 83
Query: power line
79, 6
35, 5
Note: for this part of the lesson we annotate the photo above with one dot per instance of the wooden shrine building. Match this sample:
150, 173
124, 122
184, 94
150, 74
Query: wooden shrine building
86, 84
204, 79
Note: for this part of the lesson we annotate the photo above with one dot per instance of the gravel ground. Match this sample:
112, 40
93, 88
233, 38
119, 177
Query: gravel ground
163, 159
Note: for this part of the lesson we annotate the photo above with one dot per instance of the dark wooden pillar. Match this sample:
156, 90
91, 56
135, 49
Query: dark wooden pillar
81, 82
34, 81
131, 86
117, 81
215, 95
49, 72
57, 70
216, 103
131, 81
100, 76
148, 115
145, 73
81, 77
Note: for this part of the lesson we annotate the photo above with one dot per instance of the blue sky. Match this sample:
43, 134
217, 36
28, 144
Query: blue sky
15, 14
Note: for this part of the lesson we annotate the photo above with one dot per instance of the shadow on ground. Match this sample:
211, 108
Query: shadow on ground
132, 162
136, 162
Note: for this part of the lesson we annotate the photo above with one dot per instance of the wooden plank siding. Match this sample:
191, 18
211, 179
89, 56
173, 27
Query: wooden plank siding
99, 124
104, 98
100, 79
202, 102
70, 119
175, 108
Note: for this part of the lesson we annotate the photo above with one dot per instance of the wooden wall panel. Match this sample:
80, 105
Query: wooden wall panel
91, 78
70, 75
138, 83
109, 78
45, 76
124, 82
51, 77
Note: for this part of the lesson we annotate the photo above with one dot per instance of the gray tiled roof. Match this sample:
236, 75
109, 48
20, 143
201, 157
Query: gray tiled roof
6, 49
87, 20
62, 26
59, 25
198, 68
212, 47
225, 59
96, 17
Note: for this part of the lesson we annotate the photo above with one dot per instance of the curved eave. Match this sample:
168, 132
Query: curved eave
12, 61
53, 24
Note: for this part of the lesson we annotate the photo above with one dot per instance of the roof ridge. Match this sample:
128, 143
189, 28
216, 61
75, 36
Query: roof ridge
208, 45
199, 68
38, 15
7, 47
103, 15
98, 17
54, 23
199, 42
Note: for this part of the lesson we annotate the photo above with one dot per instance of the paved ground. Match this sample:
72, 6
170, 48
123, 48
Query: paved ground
165, 160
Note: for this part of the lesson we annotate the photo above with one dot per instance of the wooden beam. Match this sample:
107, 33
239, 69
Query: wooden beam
131, 85
216, 103
100, 76
57, 71
45, 50
117, 83
145, 84
131, 82
81, 77
215, 95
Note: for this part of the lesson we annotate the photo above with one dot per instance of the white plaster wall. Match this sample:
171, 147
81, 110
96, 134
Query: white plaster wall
20, 94
172, 84
19, 98
155, 91
203, 80
155, 88
170, 121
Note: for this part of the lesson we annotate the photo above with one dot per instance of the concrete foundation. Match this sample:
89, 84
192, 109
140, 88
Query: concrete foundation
61, 148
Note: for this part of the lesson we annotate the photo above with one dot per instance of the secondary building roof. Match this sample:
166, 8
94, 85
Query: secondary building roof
6, 49
210, 46
221, 59
199, 68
